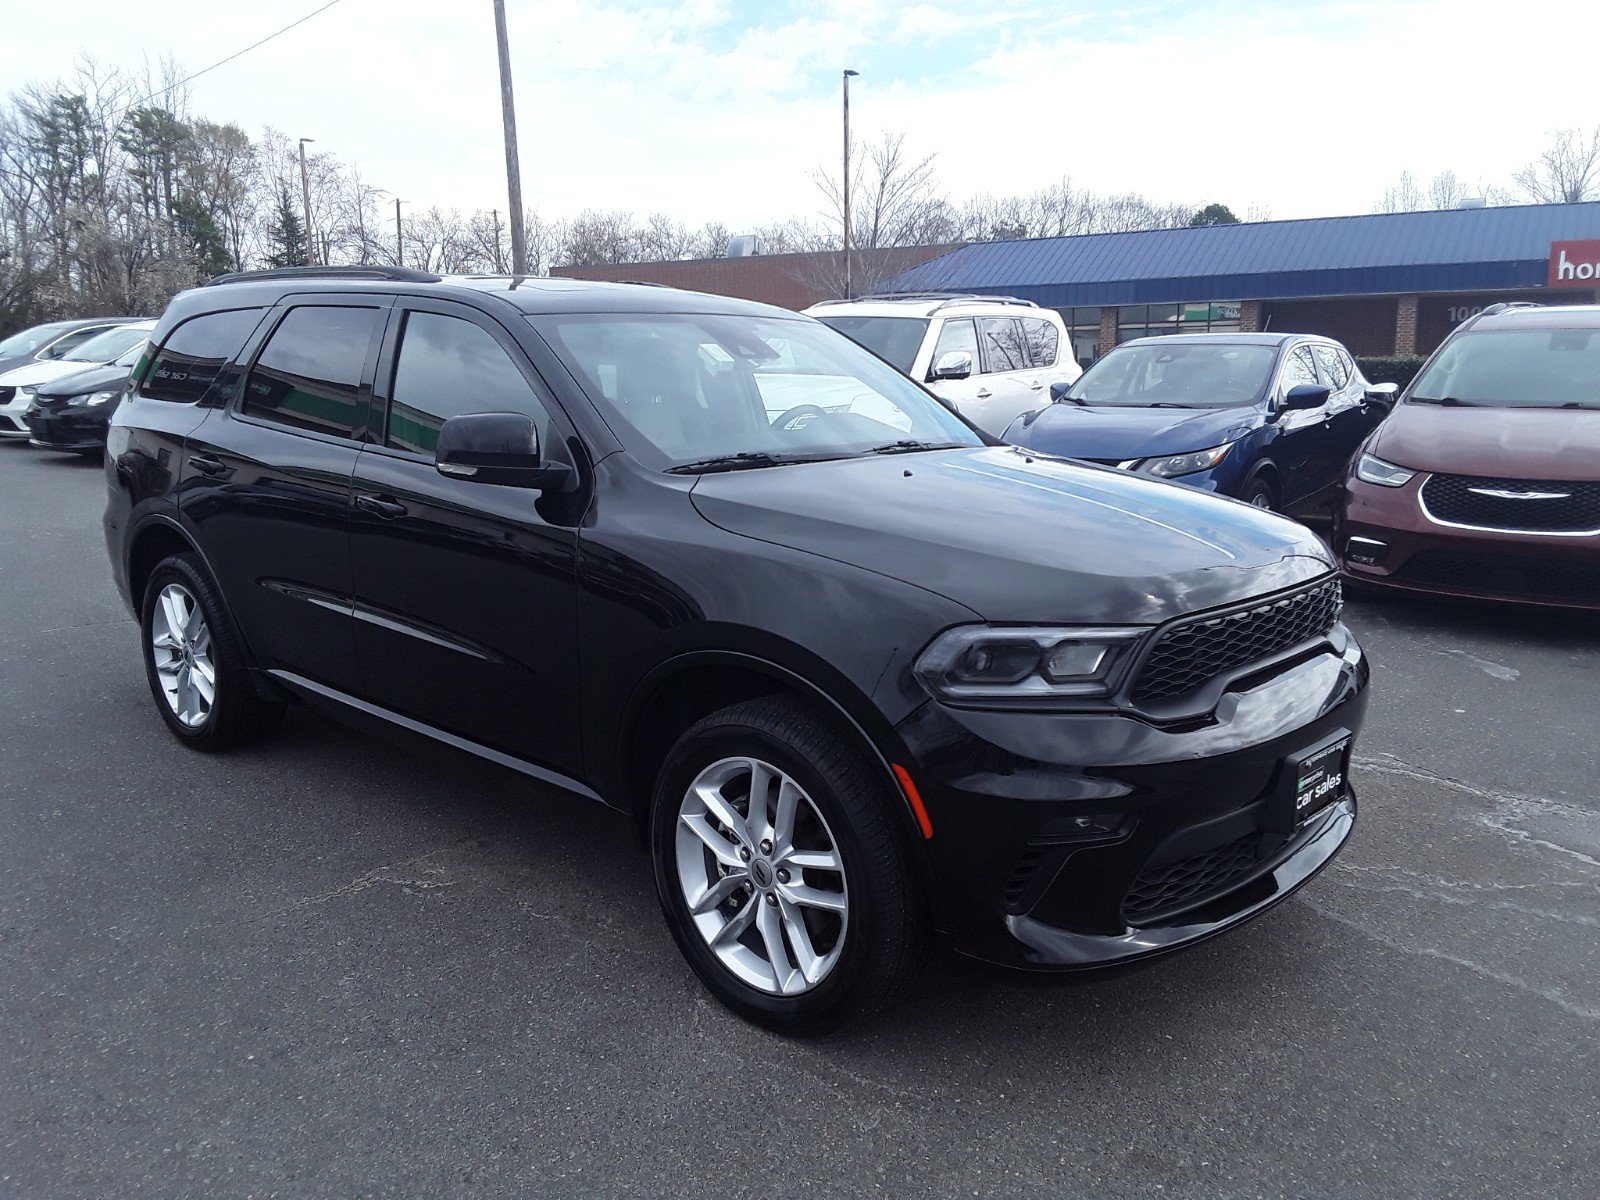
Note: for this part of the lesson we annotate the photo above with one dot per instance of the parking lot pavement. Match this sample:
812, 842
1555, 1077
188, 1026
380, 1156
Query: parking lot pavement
328, 967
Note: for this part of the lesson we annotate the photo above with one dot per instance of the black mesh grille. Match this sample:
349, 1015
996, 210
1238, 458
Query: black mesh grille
7, 394
1173, 886
1503, 575
1523, 505
1192, 653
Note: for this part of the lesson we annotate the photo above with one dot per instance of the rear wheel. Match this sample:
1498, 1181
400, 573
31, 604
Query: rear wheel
781, 870
195, 663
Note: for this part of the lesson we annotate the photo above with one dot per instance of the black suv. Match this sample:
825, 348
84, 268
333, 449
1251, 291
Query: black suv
861, 674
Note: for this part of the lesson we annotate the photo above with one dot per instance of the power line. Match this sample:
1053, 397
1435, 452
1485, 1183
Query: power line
225, 61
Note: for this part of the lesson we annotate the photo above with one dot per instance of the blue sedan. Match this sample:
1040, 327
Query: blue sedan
1271, 419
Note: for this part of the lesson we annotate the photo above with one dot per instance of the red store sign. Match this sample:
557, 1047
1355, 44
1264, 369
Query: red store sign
1575, 264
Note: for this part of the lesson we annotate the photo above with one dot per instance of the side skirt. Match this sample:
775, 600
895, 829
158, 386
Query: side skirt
312, 690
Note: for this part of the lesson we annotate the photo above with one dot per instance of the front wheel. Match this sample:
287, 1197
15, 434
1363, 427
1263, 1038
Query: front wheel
1258, 493
781, 869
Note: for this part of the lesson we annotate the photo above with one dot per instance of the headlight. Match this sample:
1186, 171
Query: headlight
91, 399
28, 390
1187, 464
1016, 663
1371, 469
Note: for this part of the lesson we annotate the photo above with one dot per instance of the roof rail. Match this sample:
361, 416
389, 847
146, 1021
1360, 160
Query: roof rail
948, 298
391, 274
1507, 306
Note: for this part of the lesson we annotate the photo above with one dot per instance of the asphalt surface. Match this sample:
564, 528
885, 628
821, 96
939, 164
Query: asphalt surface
330, 967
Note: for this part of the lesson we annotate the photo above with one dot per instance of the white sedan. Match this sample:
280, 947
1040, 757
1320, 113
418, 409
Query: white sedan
17, 386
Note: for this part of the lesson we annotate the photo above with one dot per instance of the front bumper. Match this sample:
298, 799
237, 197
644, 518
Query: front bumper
1385, 539
13, 414
1077, 840
67, 428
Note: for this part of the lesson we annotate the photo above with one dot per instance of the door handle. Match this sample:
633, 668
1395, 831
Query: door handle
983, 393
1037, 385
381, 505
208, 465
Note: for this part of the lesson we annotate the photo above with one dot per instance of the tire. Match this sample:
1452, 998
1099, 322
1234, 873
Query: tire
861, 924
177, 668
1258, 492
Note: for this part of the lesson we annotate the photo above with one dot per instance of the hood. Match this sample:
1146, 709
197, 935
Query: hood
36, 373
1118, 432
1015, 539
1507, 443
96, 379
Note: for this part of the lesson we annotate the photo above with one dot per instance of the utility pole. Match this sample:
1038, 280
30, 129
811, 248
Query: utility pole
399, 237
305, 195
508, 113
847, 75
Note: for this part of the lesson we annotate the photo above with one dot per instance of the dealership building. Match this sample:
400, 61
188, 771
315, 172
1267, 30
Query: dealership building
1390, 283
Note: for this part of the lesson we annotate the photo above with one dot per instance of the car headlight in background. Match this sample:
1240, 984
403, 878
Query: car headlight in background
1372, 469
1024, 663
92, 399
1186, 464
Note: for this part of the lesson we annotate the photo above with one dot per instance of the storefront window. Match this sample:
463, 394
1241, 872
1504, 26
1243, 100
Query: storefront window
1083, 329
1154, 320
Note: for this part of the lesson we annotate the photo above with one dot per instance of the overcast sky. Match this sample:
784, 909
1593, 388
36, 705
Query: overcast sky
720, 109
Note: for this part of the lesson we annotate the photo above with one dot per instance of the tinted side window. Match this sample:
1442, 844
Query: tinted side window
309, 374
959, 335
1298, 368
195, 352
447, 367
72, 341
1335, 369
1002, 344
1043, 341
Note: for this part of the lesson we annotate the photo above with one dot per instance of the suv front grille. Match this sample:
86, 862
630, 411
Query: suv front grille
1193, 652
1503, 575
1172, 887
7, 394
1522, 505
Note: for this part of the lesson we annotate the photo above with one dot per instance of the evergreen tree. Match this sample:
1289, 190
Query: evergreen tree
1214, 214
197, 233
286, 235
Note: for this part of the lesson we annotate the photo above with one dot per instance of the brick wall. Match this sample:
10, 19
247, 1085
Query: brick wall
1405, 325
1250, 316
1108, 329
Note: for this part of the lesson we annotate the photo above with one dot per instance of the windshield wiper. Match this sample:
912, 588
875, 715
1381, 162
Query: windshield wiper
908, 445
1166, 404
1564, 404
1446, 401
743, 461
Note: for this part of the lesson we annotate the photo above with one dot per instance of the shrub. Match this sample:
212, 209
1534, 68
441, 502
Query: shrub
1390, 368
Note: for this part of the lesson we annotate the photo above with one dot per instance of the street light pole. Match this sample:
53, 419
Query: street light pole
399, 236
847, 75
508, 113
305, 195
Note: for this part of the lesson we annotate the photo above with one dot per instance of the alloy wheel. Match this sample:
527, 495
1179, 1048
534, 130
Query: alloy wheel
180, 647
762, 877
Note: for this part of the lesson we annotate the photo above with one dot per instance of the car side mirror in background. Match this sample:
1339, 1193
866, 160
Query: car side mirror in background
1383, 393
1058, 392
953, 364
498, 448
1306, 395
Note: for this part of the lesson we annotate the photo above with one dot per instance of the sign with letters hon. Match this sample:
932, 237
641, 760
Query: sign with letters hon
1575, 264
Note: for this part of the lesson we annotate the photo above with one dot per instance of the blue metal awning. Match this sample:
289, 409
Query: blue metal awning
1454, 250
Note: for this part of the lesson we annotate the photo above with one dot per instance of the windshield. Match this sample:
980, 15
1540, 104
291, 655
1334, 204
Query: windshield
896, 340
30, 340
109, 345
1167, 371
131, 355
1515, 368
680, 390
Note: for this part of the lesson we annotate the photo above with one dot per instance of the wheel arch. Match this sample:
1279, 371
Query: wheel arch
682, 690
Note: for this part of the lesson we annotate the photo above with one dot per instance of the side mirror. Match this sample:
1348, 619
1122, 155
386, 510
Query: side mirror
1306, 395
1058, 391
498, 448
1383, 393
953, 364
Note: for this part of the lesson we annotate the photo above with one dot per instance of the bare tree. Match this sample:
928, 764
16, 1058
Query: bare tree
1567, 172
597, 236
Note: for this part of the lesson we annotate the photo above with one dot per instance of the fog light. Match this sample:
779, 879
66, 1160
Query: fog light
1369, 552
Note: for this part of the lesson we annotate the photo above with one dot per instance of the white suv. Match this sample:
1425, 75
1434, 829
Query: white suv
991, 357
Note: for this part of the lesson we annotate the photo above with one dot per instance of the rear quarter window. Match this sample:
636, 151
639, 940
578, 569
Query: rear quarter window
194, 354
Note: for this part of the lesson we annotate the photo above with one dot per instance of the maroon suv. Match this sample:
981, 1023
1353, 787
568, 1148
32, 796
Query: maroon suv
1485, 481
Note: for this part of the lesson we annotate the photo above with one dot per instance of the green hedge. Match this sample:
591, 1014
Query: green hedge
1390, 368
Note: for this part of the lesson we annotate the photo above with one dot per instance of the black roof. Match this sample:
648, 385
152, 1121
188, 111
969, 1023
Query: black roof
529, 294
